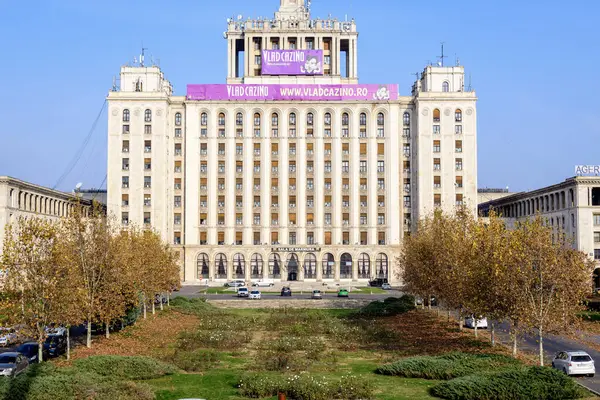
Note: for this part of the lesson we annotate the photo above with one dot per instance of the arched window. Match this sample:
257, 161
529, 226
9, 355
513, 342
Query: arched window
221, 119
203, 119
458, 115
310, 266
256, 119
126, 115
380, 125
239, 119
328, 265
178, 119
256, 266
11, 200
445, 86
274, 266
202, 266
221, 266
406, 119
327, 119
310, 119
275, 119
363, 119
345, 119
239, 266
380, 119
364, 266
346, 266
148, 116
436, 115
292, 118
381, 266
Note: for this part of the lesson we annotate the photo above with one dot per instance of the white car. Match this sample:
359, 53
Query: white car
574, 363
8, 336
266, 283
242, 292
254, 295
471, 321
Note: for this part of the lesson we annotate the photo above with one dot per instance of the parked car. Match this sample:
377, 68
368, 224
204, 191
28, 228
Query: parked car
255, 295
386, 286
242, 292
56, 330
316, 294
12, 364
574, 363
286, 291
8, 336
31, 351
263, 284
480, 321
343, 293
236, 283
378, 282
55, 345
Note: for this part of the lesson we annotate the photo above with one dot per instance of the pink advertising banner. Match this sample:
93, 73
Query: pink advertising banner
292, 62
293, 92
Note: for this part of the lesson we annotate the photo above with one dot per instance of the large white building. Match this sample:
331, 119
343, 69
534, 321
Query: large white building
571, 208
292, 169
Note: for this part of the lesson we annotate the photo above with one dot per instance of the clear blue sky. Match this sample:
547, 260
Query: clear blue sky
533, 65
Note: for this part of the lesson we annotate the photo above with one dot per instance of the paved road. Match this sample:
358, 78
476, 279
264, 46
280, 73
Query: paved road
552, 345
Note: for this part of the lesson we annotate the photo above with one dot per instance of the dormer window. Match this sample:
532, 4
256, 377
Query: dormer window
445, 87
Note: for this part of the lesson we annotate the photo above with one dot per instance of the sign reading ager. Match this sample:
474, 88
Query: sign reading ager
582, 170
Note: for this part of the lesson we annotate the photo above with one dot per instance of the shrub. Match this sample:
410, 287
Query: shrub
540, 383
192, 306
213, 339
196, 361
388, 307
447, 366
136, 368
306, 387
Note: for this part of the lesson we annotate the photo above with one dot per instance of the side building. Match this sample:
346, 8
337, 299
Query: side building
22, 199
292, 169
571, 208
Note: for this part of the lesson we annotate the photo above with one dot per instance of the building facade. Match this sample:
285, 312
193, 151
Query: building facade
22, 199
571, 208
292, 169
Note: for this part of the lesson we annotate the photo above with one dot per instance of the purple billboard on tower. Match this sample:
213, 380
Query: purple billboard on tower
292, 62
309, 92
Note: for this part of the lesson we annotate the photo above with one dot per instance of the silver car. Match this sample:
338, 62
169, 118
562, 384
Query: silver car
12, 364
574, 363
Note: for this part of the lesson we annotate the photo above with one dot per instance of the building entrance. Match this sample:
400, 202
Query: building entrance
292, 268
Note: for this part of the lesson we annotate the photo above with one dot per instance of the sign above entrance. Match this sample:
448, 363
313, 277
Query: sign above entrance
587, 170
309, 92
295, 249
292, 62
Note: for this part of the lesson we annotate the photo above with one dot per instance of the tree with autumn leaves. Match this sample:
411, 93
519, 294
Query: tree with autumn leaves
527, 276
79, 270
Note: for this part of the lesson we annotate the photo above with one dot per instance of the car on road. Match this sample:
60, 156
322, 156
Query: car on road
286, 292
254, 295
343, 293
55, 345
242, 292
8, 336
263, 284
481, 322
316, 294
236, 283
386, 286
12, 364
378, 282
31, 351
574, 363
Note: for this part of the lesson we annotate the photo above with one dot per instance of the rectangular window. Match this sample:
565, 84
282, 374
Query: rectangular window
459, 181
124, 200
125, 164
257, 60
437, 182
345, 166
437, 166
381, 238
459, 199
381, 219
363, 149
125, 129
328, 238
147, 182
147, 164
177, 201
177, 219
596, 254
381, 184
437, 200
363, 167
148, 129
407, 201
459, 164
274, 237
380, 166
437, 146
596, 237
147, 200
436, 130
147, 146
327, 60
125, 218
363, 219
458, 129
363, 239
596, 219
458, 146
221, 238
147, 218
178, 132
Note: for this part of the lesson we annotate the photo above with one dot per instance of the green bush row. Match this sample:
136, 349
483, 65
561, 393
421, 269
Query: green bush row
306, 387
388, 307
539, 383
197, 360
134, 368
447, 366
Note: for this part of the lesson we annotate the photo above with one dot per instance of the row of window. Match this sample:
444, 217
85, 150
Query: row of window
310, 184
437, 115
292, 237
310, 203
148, 116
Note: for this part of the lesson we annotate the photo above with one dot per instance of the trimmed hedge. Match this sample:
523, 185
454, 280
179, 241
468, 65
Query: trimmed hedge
447, 366
539, 383
135, 368
388, 307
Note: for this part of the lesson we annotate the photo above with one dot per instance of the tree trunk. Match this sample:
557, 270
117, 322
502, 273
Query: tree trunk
107, 330
541, 336
88, 342
448, 314
429, 302
40, 352
68, 343
169, 299
514, 347
476, 333
153, 307
460, 322
161, 303
493, 334
145, 308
